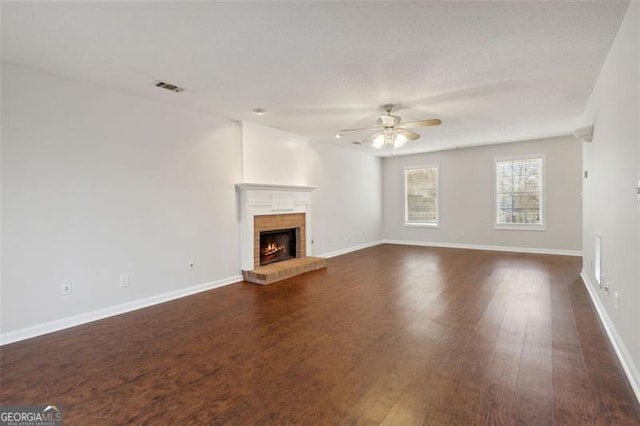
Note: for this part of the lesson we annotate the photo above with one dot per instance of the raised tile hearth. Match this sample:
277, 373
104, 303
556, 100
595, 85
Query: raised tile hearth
274, 272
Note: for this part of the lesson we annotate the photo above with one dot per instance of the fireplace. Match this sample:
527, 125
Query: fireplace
268, 228
277, 245
274, 232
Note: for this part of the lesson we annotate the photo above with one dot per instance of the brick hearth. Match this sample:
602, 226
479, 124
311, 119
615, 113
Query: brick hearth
279, 271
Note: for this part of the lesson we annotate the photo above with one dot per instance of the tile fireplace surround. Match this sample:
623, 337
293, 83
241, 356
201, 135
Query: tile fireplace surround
271, 207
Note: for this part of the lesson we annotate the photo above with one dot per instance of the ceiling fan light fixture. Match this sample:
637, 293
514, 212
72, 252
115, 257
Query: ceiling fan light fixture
390, 132
378, 142
389, 137
399, 140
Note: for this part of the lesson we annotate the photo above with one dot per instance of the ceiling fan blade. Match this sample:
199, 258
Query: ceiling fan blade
372, 137
422, 123
358, 130
408, 134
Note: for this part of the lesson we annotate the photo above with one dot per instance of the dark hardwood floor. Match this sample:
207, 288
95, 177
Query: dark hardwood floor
388, 335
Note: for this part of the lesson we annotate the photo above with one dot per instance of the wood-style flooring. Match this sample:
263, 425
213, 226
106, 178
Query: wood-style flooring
392, 335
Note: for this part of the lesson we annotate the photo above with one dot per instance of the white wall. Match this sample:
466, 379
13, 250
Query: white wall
611, 207
346, 206
97, 183
272, 156
467, 197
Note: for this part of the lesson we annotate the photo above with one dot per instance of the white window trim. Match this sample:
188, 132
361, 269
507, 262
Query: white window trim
520, 226
404, 195
421, 225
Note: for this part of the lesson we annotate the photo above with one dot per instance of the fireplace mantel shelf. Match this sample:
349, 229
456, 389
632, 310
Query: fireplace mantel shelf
273, 187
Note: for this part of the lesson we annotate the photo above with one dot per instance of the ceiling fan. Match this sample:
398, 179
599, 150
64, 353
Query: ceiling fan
390, 132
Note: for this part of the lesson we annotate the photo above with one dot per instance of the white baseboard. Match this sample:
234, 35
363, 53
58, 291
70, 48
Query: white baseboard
61, 324
630, 369
350, 249
483, 247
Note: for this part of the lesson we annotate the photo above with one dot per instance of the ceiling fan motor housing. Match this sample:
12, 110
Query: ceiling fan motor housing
388, 120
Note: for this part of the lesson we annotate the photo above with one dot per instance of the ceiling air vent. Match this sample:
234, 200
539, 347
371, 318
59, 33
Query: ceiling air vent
169, 86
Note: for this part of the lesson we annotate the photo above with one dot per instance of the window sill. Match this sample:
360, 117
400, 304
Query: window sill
421, 225
516, 227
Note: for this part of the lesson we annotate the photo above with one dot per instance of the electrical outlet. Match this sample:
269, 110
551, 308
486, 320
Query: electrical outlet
192, 265
607, 284
65, 288
615, 300
124, 280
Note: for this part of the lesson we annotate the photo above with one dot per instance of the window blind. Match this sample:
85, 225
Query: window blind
519, 191
421, 194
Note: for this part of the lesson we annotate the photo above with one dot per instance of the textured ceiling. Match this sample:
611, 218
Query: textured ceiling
492, 71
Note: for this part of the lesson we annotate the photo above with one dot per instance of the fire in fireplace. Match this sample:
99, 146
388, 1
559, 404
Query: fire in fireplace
277, 245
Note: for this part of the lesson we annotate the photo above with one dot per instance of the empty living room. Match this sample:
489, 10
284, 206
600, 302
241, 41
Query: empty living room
320, 212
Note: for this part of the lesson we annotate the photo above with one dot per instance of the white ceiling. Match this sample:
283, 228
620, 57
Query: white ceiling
492, 71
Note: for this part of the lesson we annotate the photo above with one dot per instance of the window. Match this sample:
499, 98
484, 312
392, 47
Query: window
421, 195
519, 195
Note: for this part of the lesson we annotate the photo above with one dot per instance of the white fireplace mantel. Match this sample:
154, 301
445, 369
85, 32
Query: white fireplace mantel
264, 199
